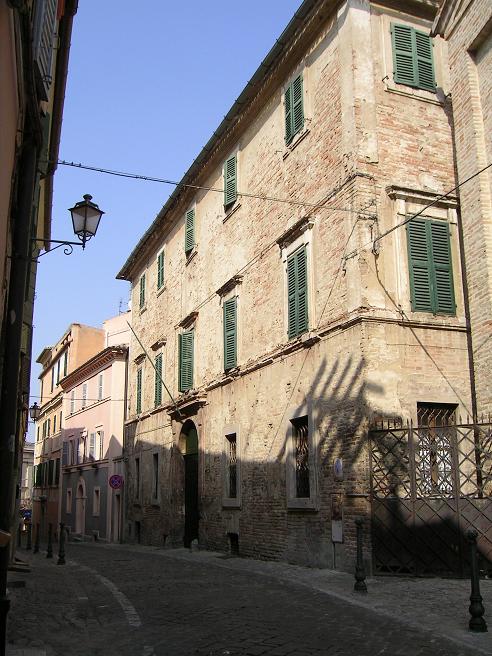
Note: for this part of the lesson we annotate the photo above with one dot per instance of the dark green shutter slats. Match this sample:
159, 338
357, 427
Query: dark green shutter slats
160, 270
297, 293
230, 181
294, 109
412, 57
185, 361
431, 275
230, 333
138, 404
189, 230
441, 255
158, 380
142, 291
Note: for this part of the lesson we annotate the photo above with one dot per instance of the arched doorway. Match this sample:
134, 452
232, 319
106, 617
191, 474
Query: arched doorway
80, 509
189, 449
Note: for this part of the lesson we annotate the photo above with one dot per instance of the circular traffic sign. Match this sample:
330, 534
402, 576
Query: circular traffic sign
116, 481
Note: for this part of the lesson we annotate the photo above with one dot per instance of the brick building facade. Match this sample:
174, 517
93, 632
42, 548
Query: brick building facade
276, 319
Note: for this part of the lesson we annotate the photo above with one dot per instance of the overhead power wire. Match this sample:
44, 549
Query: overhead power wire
414, 216
148, 178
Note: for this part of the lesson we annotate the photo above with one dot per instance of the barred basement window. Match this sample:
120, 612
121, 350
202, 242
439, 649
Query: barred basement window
231, 467
301, 452
436, 432
155, 478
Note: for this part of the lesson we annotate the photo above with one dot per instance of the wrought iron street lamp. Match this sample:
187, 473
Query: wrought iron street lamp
34, 411
85, 219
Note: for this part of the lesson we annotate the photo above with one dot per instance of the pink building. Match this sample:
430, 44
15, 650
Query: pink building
93, 399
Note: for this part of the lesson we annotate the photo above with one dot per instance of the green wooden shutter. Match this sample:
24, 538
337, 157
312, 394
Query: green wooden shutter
189, 231
158, 380
424, 62
419, 266
230, 181
142, 291
160, 270
294, 109
297, 293
138, 405
185, 361
230, 333
443, 288
404, 70
288, 115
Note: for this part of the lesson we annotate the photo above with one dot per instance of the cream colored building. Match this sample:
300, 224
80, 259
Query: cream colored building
279, 318
77, 345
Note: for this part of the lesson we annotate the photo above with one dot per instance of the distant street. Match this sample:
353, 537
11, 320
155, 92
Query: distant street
130, 601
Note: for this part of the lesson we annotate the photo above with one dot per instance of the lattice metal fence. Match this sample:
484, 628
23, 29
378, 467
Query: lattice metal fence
429, 484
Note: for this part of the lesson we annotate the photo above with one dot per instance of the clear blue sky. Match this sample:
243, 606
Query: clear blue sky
147, 86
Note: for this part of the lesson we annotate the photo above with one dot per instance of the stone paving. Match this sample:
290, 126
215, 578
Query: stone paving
126, 599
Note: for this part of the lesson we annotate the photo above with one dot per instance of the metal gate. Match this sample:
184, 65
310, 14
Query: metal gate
429, 484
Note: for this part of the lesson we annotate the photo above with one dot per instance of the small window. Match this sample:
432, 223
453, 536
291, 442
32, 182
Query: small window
430, 267
186, 361
72, 402
69, 500
49, 428
58, 367
65, 363
52, 378
96, 502
301, 456
231, 466
294, 109
160, 270
230, 333
65, 454
230, 182
137, 478
189, 231
92, 446
141, 302
297, 292
100, 387
158, 380
434, 448
100, 446
84, 395
37, 434
413, 63
54, 424
138, 402
155, 477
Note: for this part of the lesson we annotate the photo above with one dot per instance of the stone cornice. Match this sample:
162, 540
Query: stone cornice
229, 285
420, 196
292, 233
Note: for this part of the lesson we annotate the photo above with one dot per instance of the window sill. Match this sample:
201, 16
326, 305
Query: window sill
231, 503
300, 136
161, 289
191, 254
307, 504
231, 211
410, 92
142, 309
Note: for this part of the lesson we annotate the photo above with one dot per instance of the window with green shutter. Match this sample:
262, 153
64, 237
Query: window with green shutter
189, 231
158, 380
230, 333
142, 292
297, 292
294, 109
186, 361
230, 181
430, 267
413, 63
160, 270
138, 401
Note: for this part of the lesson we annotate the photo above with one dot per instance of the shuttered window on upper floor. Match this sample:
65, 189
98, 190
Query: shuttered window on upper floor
413, 63
294, 109
158, 380
141, 298
189, 231
186, 361
44, 42
230, 181
160, 270
230, 333
138, 402
430, 267
297, 293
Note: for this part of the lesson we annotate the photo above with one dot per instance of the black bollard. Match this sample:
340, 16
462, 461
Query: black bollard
36, 541
49, 550
61, 545
29, 537
476, 623
360, 573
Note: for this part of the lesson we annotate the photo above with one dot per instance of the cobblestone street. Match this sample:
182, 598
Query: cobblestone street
140, 601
